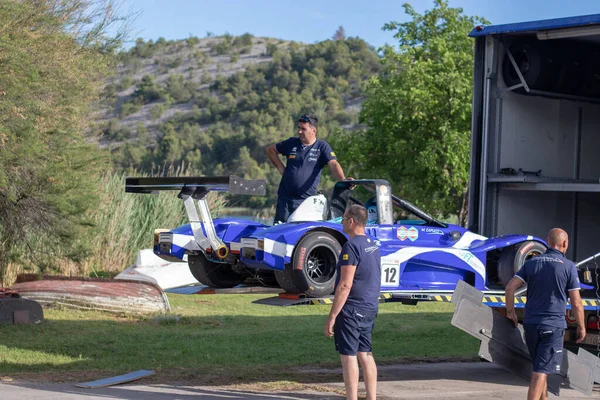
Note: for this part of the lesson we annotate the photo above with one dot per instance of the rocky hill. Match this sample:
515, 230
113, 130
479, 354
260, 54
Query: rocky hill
214, 103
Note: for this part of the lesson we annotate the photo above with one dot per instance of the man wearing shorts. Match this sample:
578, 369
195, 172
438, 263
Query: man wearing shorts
550, 277
356, 302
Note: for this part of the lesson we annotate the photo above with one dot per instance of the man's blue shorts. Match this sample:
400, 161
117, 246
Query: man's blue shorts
545, 344
352, 331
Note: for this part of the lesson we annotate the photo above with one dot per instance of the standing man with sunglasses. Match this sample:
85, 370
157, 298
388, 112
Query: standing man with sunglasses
306, 156
356, 302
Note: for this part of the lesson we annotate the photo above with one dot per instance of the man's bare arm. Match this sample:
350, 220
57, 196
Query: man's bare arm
341, 295
336, 170
274, 157
510, 291
577, 309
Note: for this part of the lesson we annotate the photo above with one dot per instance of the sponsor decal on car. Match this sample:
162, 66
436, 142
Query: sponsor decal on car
526, 248
413, 233
301, 256
432, 231
404, 233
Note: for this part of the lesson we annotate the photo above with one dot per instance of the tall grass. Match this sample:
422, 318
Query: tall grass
125, 222
122, 225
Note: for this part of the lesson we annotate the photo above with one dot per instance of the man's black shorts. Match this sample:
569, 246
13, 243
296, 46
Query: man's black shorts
352, 331
545, 344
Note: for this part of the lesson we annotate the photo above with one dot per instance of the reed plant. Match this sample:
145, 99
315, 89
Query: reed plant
121, 225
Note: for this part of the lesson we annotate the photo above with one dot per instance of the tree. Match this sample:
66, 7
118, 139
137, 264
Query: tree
55, 56
340, 34
418, 112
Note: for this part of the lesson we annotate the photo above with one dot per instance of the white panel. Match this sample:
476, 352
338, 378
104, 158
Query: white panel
538, 133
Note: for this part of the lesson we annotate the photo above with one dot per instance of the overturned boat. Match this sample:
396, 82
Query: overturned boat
101, 294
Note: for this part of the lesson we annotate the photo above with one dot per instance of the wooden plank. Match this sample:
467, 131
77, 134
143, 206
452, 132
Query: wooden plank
115, 380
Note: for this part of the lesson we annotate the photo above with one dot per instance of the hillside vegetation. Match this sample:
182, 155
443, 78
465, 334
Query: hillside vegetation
215, 103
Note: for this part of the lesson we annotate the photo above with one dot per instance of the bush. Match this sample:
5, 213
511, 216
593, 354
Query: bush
271, 49
128, 109
157, 111
126, 82
244, 40
175, 62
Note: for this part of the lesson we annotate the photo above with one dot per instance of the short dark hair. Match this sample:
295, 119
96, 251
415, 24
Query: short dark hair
358, 213
312, 119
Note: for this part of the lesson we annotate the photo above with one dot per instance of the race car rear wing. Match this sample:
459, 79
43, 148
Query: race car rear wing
232, 184
197, 188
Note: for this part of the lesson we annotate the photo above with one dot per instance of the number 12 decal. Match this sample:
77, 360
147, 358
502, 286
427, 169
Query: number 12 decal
390, 274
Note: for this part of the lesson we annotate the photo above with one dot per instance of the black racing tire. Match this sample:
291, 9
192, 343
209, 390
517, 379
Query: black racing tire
313, 268
512, 258
536, 63
285, 279
213, 274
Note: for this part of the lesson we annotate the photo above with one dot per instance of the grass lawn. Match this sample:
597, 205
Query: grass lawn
217, 338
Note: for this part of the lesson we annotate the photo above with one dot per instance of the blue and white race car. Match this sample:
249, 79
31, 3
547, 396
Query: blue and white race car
418, 252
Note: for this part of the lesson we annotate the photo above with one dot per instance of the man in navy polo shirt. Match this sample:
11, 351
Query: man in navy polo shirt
306, 156
550, 277
356, 303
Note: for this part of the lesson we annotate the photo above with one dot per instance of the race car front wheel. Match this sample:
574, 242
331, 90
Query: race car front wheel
213, 274
313, 267
512, 258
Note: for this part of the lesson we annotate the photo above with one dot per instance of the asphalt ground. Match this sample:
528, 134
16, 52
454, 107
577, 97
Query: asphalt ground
472, 381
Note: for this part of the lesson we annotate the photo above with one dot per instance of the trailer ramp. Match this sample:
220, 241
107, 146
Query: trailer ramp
503, 344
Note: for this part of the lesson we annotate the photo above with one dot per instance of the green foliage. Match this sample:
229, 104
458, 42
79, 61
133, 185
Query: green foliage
157, 111
174, 62
54, 60
236, 117
244, 40
128, 109
271, 49
147, 90
124, 223
419, 112
125, 83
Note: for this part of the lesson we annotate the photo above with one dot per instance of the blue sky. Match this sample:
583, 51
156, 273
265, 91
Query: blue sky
311, 21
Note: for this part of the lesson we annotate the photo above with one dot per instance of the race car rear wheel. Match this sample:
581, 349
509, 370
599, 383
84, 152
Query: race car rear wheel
512, 258
313, 267
213, 274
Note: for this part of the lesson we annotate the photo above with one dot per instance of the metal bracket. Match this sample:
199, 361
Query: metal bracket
194, 200
518, 71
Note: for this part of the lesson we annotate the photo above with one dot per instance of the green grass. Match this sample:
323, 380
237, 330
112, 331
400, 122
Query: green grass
222, 335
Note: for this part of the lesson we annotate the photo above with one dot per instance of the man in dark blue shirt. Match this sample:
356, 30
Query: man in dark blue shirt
550, 277
306, 156
356, 303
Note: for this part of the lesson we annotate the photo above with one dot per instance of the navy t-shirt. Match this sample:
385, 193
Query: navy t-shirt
303, 168
364, 253
549, 277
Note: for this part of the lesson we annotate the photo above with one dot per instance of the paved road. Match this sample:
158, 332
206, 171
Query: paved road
469, 381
